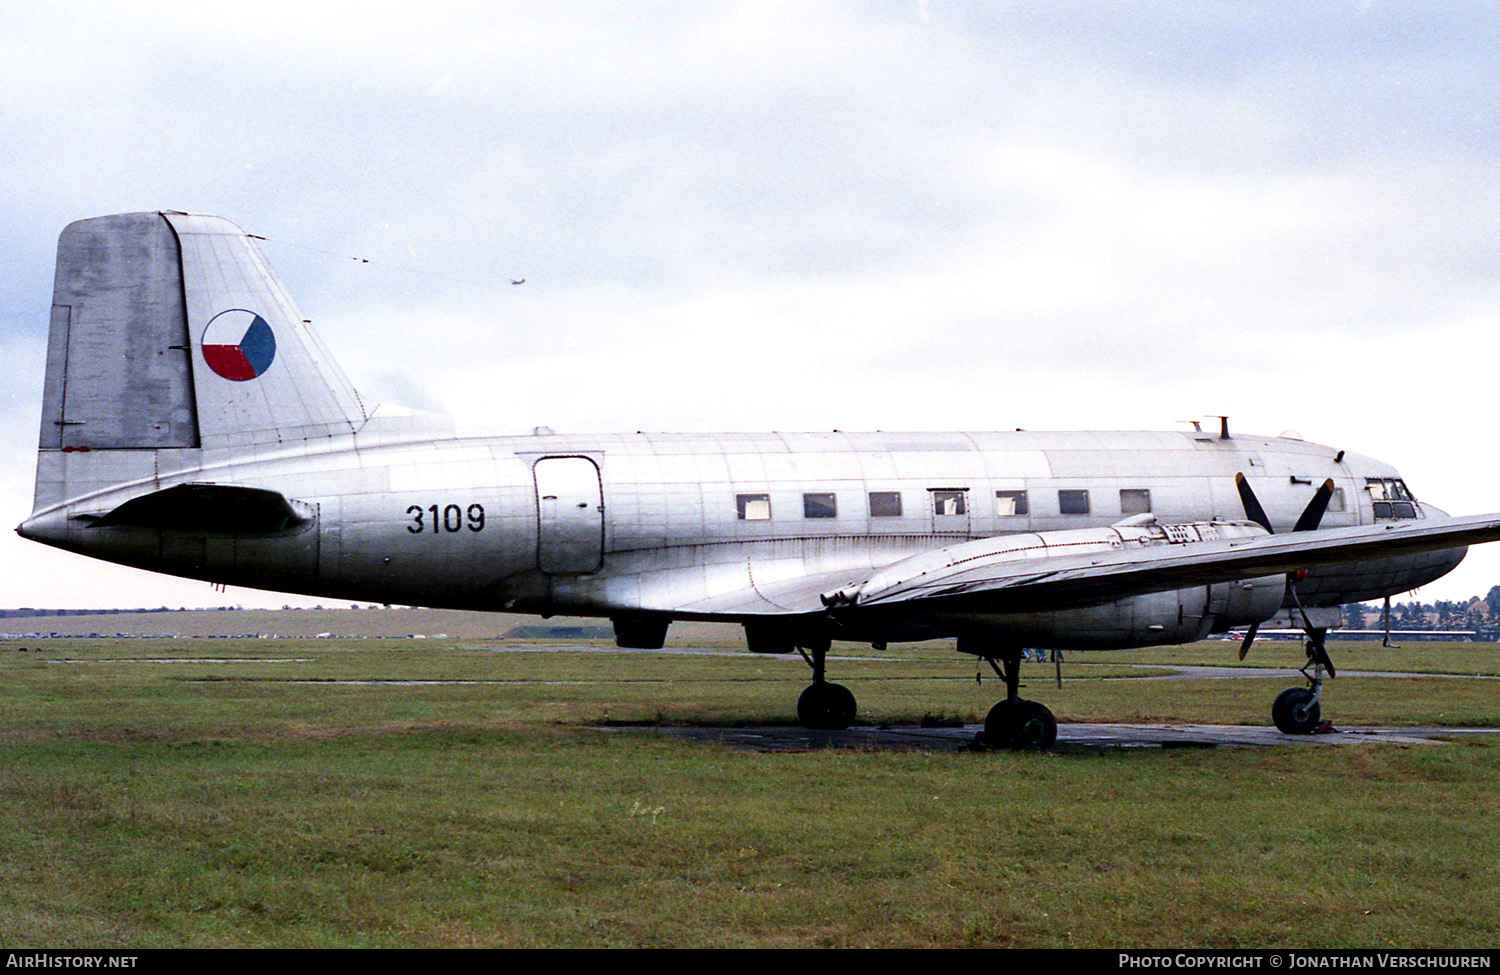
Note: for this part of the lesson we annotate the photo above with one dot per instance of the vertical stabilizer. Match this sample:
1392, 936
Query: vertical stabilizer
173, 343
261, 377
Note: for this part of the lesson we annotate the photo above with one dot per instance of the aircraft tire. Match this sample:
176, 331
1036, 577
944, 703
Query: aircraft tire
1295, 712
1020, 726
826, 707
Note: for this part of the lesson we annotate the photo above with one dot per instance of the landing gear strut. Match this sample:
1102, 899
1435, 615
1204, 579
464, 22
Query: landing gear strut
1296, 710
1016, 723
824, 706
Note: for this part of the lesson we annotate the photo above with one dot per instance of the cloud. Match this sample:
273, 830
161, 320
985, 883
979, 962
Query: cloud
808, 216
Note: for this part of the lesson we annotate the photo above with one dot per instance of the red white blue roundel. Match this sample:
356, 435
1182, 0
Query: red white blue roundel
239, 345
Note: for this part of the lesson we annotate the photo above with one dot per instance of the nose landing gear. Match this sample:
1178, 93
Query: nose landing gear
1296, 710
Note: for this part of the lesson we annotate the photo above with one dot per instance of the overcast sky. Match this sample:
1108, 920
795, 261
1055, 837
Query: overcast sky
802, 216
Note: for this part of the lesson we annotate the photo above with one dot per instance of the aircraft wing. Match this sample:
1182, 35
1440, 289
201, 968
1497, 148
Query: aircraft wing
966, 577
989, 576
792, 594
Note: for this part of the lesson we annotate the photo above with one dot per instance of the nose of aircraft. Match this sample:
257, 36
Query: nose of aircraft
1447, 560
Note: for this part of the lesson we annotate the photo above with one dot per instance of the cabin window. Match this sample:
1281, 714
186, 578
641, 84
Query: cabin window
1073, 502
753, 507
820, 506
1010, 504
1135, 501
885, 504
1336, 503
948, 501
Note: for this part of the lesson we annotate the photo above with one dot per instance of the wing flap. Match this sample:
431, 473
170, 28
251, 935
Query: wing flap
795, 595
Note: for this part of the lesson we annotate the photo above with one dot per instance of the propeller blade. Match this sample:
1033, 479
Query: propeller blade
1253, 510
1249, 639
1313, 513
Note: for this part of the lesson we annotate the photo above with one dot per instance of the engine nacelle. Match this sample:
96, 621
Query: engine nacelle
1246, 601
1152, 619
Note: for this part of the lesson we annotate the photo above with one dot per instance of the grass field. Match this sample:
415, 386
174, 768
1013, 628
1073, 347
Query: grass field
230, 794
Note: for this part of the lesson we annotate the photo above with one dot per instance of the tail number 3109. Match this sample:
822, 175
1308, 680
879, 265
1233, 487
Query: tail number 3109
447, 518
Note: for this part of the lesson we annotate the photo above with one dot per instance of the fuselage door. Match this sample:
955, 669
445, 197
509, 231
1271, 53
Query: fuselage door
570, 515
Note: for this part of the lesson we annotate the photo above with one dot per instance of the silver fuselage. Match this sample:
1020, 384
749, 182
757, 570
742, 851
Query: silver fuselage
642, 524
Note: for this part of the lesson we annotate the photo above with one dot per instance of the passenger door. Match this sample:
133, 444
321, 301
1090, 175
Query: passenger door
570, 515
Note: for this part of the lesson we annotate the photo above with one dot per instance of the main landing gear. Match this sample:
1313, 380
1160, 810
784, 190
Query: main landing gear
824, 706
1296, 710
1016, 723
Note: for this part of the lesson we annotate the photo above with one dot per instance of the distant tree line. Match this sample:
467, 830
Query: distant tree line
1479, 614
28, 611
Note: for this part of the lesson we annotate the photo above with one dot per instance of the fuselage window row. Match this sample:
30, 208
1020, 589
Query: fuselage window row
946, 502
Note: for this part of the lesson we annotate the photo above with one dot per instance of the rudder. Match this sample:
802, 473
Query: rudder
119, 371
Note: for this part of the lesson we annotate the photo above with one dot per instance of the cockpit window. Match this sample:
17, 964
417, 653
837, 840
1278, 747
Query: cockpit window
1391, 497
1388, 489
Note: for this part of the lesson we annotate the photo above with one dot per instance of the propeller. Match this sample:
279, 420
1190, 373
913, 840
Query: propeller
1253, 510
1311, 517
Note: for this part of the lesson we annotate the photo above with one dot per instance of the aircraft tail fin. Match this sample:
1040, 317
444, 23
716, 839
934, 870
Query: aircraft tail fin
171, 333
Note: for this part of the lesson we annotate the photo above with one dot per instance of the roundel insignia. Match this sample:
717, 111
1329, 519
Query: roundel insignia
239, 345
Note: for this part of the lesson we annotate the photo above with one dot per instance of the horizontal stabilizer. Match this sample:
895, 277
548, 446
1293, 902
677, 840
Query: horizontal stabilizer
210, 508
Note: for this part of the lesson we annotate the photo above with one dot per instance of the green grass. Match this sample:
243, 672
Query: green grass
142, 807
